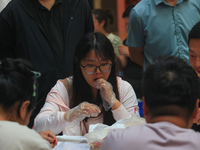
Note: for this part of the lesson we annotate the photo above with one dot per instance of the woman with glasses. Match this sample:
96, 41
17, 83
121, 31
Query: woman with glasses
92, 95
18, 98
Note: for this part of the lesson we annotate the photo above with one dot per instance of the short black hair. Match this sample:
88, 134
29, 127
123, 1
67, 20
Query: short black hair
195, 32
127, 11
170, 87
105, 15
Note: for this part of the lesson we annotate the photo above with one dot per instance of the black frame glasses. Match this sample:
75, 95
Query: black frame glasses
110, 65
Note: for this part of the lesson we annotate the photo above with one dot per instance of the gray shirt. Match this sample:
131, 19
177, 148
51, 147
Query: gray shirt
156, 136
18, 137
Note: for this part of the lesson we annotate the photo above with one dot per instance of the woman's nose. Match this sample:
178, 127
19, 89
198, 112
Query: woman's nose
98, 70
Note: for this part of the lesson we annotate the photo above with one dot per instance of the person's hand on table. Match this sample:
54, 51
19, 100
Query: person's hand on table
81, 111
106, 92
49, 136
197, 119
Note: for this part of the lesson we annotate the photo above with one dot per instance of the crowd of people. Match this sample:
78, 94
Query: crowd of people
59, 73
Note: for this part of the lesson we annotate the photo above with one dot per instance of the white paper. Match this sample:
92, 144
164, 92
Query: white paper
76, 139
100, 131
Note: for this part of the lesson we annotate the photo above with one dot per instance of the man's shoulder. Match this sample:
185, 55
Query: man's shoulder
129, 132
144, 4
144, 7
122, 139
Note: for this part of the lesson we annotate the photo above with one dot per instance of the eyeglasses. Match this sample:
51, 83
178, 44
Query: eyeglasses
91, 69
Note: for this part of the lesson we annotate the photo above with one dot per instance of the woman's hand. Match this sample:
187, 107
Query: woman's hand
107, 94
81, 111
49, 136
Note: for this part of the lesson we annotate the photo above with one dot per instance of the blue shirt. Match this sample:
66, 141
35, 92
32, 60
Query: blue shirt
162, 29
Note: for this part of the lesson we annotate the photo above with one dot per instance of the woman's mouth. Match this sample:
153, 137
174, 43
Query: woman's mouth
198, 72
96, 79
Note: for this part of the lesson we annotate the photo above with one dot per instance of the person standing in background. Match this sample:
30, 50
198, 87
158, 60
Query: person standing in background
45, 32
132, 72
161, 27
101, 20
194, 57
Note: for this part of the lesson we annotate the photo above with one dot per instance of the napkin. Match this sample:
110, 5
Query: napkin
79, 139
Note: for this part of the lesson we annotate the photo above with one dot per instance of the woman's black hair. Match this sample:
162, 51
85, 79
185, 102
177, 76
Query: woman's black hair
81, 89
17, 83
101, 15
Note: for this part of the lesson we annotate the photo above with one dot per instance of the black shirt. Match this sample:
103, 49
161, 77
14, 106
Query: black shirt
52, 21
133, 74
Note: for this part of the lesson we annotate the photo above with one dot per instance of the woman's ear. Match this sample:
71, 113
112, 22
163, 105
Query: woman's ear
195, 113
102, 23
24, 110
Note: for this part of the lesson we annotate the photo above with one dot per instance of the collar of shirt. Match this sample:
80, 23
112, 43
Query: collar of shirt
39, 5
163, 1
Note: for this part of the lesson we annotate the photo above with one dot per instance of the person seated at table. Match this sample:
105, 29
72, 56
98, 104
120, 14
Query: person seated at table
194, 57
18, 92
92, 95
171, 95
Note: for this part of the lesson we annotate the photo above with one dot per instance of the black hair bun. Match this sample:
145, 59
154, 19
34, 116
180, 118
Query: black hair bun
9, 65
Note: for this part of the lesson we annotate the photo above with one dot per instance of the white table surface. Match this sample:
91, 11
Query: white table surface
71, 143
71, 146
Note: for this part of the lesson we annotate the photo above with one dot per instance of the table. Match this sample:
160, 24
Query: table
71, 146
71, 143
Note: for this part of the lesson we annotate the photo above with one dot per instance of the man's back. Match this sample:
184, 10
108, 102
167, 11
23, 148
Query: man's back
154, 136
171, 96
